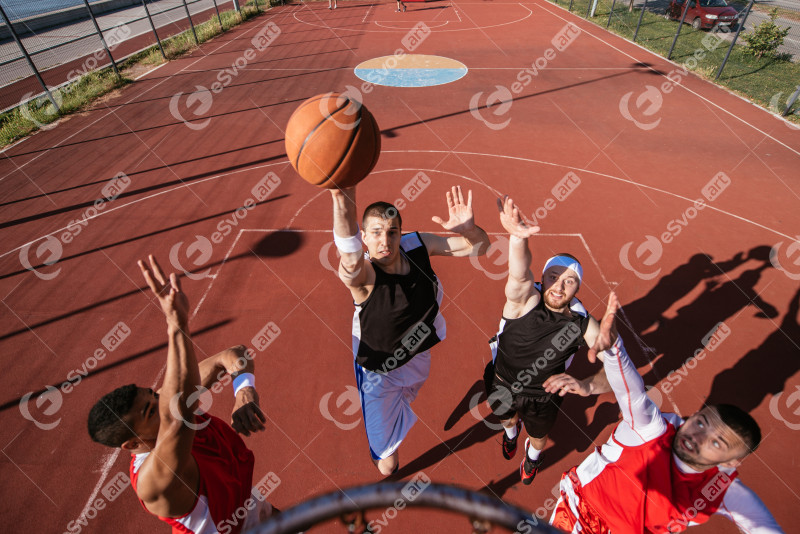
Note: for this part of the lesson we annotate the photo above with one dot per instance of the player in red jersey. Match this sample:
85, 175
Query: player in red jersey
658, 472
190, 469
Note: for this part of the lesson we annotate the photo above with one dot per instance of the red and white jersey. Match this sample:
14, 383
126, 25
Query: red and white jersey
635, 484
225, 465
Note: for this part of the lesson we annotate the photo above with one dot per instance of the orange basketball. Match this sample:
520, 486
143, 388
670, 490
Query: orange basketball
332, 140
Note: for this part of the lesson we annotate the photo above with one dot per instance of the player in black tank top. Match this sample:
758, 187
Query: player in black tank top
541, 329
396, 294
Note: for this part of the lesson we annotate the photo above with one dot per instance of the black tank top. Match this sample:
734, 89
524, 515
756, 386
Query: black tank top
537, 345
400, 318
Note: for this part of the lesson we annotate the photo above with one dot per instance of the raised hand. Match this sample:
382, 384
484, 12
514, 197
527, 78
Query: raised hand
512, 221
608, 331
247, 416
563, 383
461, 217
173, 301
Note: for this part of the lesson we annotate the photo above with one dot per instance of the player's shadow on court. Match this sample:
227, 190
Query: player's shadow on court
765, 369
571, 432
482, 430
721, 298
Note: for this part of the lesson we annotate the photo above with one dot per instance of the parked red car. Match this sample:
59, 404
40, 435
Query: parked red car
704, 13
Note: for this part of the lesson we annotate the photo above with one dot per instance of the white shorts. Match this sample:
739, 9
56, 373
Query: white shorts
386, 403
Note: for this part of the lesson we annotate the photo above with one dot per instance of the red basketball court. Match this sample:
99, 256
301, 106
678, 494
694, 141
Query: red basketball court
590, 104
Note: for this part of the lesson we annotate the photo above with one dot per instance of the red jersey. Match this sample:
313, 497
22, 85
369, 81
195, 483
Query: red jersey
225, 465
634, 483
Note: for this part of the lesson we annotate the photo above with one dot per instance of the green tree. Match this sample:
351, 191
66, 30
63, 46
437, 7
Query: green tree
766, 37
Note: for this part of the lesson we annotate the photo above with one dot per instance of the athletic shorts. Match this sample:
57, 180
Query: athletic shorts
386, 403
537, 412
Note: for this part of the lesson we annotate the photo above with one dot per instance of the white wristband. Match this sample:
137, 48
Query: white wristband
244, 380
348, 245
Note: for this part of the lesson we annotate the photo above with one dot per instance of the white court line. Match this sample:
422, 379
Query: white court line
367, 13
679, 84
104, 212
362, 30
604, 175
380, 23
110, 459
456, 10
415, 151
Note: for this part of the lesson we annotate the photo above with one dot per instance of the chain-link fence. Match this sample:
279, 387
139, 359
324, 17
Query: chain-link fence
52, 42
709, 37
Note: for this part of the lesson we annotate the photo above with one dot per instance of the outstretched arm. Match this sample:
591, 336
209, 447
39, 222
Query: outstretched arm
168, 479
247, 416
639, 412
472, 240
519, 287
742, 506
354, 272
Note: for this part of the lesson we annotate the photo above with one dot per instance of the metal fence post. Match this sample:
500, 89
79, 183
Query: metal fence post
103, 39
570, 6
153, 26
221, 28
641, 14
236, 5
614, 3
677, 33
735, 37
28, 57
791, 102
189, 16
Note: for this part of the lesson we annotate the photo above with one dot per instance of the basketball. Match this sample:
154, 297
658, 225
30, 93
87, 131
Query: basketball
332, 140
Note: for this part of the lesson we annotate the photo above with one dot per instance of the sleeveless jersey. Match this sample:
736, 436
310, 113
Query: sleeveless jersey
537, 345
400, 318
641, 491
225, 465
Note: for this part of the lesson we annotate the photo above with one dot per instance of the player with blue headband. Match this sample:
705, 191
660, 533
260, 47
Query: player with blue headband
542, 327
